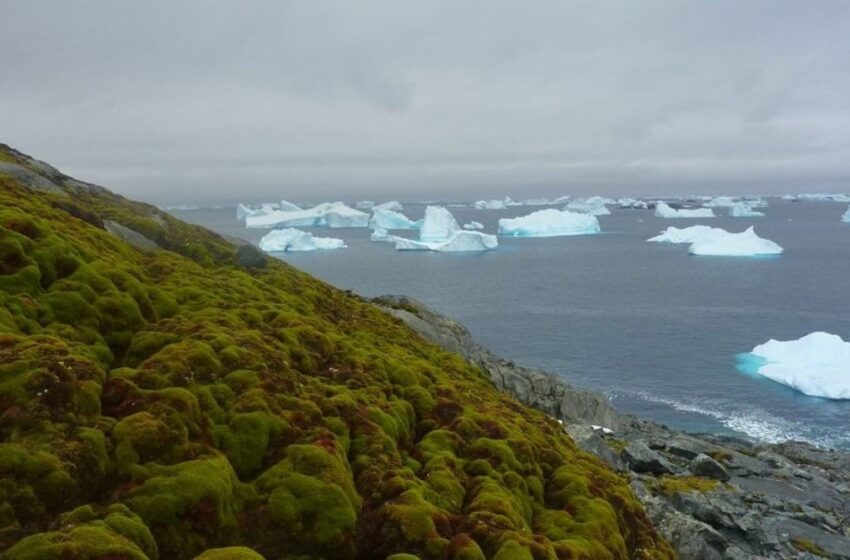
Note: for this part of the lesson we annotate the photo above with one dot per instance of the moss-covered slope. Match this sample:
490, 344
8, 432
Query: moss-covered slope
168, 404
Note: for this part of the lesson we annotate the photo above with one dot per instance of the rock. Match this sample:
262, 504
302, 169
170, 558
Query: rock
705, 466
132, 237
683, 448
248, 256
589, 440
640, 458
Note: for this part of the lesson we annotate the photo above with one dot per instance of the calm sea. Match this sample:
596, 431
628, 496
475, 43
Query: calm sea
652, 327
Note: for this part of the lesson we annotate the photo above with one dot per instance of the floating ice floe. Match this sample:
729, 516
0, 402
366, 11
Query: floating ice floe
459, 241
393, 205
473, 225
327, 214
685, 235
594, 205
633, 203
495, 204
390, 219
663, 210
720, 202
743, 210
549, 223
726, 244
846, 216
817, 364
291, 239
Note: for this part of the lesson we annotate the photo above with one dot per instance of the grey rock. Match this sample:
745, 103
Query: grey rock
703, 465
640, 458
132, 237
589, 440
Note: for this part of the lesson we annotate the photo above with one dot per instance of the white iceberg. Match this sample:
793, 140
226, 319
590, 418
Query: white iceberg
549, 223
534, 202
460, 241
364, 204
663, 210
685, 235
495, 204
725, 244
243, 211
327, 214
287, 206
846, 216
720, 202
594, 205
473, 225
824, 197
743, 210
561, 200
290, 239
390, 219
438, 224
817, 364
393, 205
626, 203
381, 235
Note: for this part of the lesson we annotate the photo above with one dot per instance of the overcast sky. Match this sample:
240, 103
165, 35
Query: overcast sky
178, 102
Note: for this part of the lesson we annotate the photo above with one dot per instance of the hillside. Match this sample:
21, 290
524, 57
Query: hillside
166, 393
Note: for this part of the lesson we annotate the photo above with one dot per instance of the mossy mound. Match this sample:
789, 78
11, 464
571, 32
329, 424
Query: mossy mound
172, 403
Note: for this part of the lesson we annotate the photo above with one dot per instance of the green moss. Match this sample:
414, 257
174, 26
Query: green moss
229, 553
512, 550
670, 485
805, 545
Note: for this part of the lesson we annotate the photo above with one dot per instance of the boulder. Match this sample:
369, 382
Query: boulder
705, 466
640, 458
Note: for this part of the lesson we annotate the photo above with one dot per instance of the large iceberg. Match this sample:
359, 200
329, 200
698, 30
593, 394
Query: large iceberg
461, 240
726, 244
291, 239
243, 211
438, 225
390, 219
287, 206
594, 205
743, 210
327, 214
685, 235
549, 223
817, 364
846, 216
663, 210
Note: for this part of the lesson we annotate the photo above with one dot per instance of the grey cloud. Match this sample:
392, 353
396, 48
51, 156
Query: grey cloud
210, 100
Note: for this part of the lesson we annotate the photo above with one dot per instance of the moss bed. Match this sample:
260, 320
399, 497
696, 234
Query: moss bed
173, 405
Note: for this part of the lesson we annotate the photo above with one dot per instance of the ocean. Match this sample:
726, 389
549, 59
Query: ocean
655, 329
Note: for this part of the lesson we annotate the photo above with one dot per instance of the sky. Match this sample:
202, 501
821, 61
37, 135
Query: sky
208, 101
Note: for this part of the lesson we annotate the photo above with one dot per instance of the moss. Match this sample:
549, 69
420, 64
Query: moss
229, 553
512, 550
805, 545
670, 485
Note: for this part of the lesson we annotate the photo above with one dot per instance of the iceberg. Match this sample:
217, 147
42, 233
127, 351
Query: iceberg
817, 364
438, 224
824, 197
328, 214
287, 206
364, 205
725, 244
461, 240
549, 223
663, 210
685, 235
594, 205
626, 203
743, 210
290, 239
393, 205
243, 212
846, 216
720, 202
493, 204
381, 235
473, 225
390, 219
561, 200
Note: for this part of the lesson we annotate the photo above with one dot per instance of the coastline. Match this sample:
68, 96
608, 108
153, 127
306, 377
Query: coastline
711, 496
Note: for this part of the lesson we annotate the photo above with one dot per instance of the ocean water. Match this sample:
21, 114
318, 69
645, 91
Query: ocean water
655, 329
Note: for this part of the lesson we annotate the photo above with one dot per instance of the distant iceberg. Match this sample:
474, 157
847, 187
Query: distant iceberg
327, 214
364, 204
561, 200
823, 197
381, 235
243, 211
473, 225
725, 244
594, 205
392, 205
634, 203
549, 223
846, 216
390, 219
290, 239
287, 206
663, 210
495, 204
817, 364
743, 210
461, 240
685, 235
438, 224
720, 202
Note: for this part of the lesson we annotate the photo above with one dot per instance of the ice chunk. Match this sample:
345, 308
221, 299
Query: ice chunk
392, 205
534, 202
390, 219
720, 202
663, 210
685, 235
493, 204
846, 216
743, 210
243, 211
824, 197
327, 214
725, 244
291, 239
549, 223
594, 205
632, 203
473, 225
561, 200
817, 364
438, 225
461, 240
381, 235
287, 206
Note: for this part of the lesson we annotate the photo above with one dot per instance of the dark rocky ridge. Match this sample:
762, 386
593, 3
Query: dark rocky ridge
712, 497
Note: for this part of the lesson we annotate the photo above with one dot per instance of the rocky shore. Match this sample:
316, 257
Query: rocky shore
712, 497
